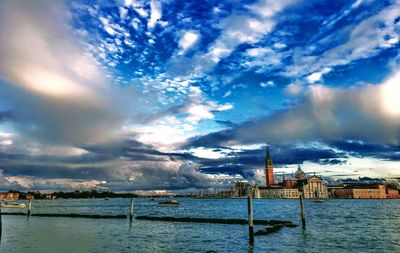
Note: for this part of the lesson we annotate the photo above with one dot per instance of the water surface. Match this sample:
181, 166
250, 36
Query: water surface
332, 226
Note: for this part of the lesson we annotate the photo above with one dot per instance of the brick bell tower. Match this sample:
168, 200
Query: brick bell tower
269, 170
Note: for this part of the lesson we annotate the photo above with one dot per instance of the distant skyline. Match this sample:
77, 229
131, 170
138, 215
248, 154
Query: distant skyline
181, 95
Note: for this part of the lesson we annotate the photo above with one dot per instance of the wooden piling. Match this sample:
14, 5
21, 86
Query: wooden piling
250, 217
29, 208
131, 211
303, 219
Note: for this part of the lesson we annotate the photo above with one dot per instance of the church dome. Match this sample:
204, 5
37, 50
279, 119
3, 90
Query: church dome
299, 173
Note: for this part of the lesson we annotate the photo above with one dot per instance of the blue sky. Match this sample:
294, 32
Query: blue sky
181, 95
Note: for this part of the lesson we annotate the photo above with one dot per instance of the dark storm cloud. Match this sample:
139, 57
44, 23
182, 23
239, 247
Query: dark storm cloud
123, 165
331, 162
244, 162
6, 184
136, 151
152, 178
53, 171
362, 149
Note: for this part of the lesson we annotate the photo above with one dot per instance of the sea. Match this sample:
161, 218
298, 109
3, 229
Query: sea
331, 226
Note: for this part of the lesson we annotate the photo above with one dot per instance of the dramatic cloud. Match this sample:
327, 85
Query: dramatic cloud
7, 184
368, 113
46, 71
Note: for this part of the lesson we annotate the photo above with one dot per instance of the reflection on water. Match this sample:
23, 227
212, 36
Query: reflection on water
332, 226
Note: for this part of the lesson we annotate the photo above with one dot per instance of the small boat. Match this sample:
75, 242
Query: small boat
172, 203
106, 198
318, 200
13, 205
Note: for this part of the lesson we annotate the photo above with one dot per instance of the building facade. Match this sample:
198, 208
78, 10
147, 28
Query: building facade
392, 193
314, 188
242, 189
360, 191
9, 196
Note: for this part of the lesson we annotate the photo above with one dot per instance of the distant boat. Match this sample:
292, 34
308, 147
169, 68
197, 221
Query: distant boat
318, 200
13, 205
172, 203
152, 199
106, 198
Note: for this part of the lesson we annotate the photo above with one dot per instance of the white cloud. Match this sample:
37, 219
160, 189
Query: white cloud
262, 59
390, 95
227, 94
156, 13
142, 12
188, 39
128, 3
314, 77
267, 84
236, 29
6, 142
199, 112
206, 153
364, 39
122, 13
135, 23
218, 52
279, 45
109, 30
257, 52
165, 134
268, 8
356, 167
294, 89
225, 107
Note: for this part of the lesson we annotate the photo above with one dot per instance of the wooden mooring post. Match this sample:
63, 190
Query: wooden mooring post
250, 218
131, 211
29, 208
1, 224
303, 219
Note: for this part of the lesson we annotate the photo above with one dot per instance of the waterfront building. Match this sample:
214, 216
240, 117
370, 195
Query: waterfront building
289, 188
272, 192
29, 196
49, 196
392, 193
9, 196
314, 188
242, 189
361, 191
291, 193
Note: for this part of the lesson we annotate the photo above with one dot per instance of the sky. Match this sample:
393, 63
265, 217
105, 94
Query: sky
185, 95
